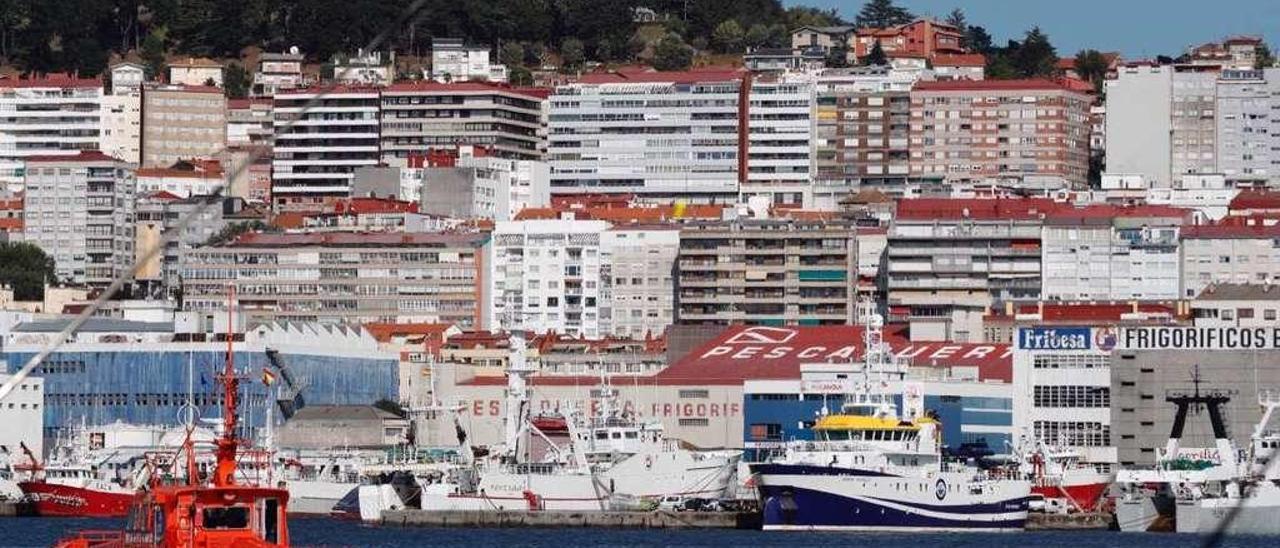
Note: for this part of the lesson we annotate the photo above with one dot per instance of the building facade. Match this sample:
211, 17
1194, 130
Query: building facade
1062, 386
780, 122
420, 116
182, 123
320, 138
638, 281
1244, 110
486, 187
767, 272
453, 61
1102, 253
1138, 123
546, 276
249, 122
57, 114
659, 135
343, 278
278, 72
79, 209
1225, 253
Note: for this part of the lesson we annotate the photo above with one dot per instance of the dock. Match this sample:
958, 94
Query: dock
1079, 521
12, 509
622, 520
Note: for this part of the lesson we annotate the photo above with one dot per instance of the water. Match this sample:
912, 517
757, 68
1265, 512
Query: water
326, 532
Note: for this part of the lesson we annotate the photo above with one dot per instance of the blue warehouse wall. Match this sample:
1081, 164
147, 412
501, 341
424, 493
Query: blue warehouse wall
102, 387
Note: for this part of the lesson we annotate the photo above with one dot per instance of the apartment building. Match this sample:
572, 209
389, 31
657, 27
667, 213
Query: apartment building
196, 71
546, 276
767, 272
277, 72
1228, 253
453, 61
182, 123
320, 137
477, 185
122, 113
1108, 253
780, 129
343, 278
1193, 126
923, 38
1244, 111
249, 122
1237, 305
418, 116
56, 114
1024, 131
79, 209
161, 211
638, 280
1139, 118
659, 135
184, 180
863, 125
950, 260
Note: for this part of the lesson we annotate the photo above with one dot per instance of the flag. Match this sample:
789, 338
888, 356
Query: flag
268, 378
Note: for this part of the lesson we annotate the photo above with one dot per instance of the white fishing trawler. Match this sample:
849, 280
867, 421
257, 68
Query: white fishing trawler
1149, 498
1250, 502
870, 468
612, 460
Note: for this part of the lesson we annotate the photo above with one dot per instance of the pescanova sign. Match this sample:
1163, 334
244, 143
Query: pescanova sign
1055, 338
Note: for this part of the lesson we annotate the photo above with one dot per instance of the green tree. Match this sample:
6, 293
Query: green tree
805, 16
672, 53
519, 76
237, 81
999, 67
1092, 67
727, 37
1035, 57
956, 19
882, 13
234, 230
757, 36
535, 55
25, 268
153, 56
511, 54
572, 54
876, 56
1265, 59
977, 40
838, 57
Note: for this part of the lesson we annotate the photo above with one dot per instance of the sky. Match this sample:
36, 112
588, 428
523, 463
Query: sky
1136, 28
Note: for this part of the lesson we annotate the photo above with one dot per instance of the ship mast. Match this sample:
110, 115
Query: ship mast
226, 467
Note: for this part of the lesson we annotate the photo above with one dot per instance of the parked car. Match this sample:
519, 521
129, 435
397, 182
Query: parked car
671, 503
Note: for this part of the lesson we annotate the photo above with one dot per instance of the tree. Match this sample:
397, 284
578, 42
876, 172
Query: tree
876, 56
1264, 57
838, 57
757, 36
804, 16
572, 54
1092, 67
519, 76
511, 54
957, 20
25, 268
232, 231
237, 81
153, 53
727, 37
1035, 57
977, 40
881, 14
534, 54
672, 53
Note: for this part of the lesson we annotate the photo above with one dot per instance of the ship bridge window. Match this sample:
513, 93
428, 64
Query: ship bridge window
631, 435
269, 521
602, 435
226, 517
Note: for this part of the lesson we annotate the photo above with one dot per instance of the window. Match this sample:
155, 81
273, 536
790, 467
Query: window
770, 431
694, 422
697, 393
228, 517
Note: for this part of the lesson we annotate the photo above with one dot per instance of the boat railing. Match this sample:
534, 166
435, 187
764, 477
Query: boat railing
846, 446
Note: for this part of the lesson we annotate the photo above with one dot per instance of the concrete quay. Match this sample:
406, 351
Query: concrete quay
624, 520
1068, 522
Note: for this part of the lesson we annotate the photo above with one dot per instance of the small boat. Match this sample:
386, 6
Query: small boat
233, 503
1058, 475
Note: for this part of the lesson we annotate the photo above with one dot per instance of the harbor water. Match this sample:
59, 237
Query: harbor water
328, 532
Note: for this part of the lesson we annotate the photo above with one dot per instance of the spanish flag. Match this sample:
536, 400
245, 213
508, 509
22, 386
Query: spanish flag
268, 378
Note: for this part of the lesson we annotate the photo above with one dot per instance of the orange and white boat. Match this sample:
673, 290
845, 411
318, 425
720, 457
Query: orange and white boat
235, 503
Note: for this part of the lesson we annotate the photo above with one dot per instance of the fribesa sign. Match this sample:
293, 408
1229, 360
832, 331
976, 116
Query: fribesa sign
1199, 338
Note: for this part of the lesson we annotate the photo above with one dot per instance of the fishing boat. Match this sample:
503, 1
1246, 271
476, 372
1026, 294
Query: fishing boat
234, 502
1149, 497
1249, 503
1058, 476
870, 468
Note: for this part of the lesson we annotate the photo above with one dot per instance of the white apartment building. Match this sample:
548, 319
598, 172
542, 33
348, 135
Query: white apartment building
636, 275
315, 153
1111, 254
546, 277
451, 61
24, 415
780, 129
1228, 254
278, 71
1138, 123
419, 116
122, 126
57, 114
365, 68
79, 209
1237, 305
194, 71
1194, 125
249, 122
127, 78
659, 135
1243, 125
1062, 391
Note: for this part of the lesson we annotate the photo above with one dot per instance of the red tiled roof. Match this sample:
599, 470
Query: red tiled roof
182, 88
10, 225
14, 204
1110, 211
1228, 231
356, 239
384, 332
240, 104
82, 156
674, 77
465, 87
51, 80
1255, 199
163, 195
654, 214
959, 60
1036, 84
360, 206
923, 209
